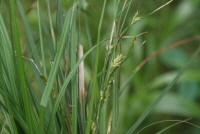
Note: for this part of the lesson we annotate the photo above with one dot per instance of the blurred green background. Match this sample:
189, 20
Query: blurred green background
177, 21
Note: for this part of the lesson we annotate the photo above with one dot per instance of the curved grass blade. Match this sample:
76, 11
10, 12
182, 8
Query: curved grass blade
133, 128
163, 130
41, 40
179, 121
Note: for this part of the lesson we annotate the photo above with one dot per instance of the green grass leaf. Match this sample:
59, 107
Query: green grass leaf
133, 128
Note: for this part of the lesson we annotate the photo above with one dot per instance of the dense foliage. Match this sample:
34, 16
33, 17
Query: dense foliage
140, 66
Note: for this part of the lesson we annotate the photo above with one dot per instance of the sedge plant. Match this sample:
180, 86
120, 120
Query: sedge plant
58, 101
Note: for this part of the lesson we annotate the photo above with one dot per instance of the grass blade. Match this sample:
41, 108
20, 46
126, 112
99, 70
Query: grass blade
133, 128
55, 66
74, 88
31, 50
94, 80
33, 54
163, 130
50, 22
41, 41
49, 86
63, 88
20, 67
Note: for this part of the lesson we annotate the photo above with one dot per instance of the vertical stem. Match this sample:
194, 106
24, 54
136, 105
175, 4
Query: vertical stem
50, 21
103, 119
74, 84
115, 103
42, 119
94, 81
82, 92
41, 40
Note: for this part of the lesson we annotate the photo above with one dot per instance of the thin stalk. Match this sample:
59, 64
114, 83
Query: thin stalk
168, 127
74, 78
89, 38
115, 103
164, 121
42, 119
32, 52
50, 22
94, 81
41, 40
129, 4
82, 92
31, 49
59, 19
103, 119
